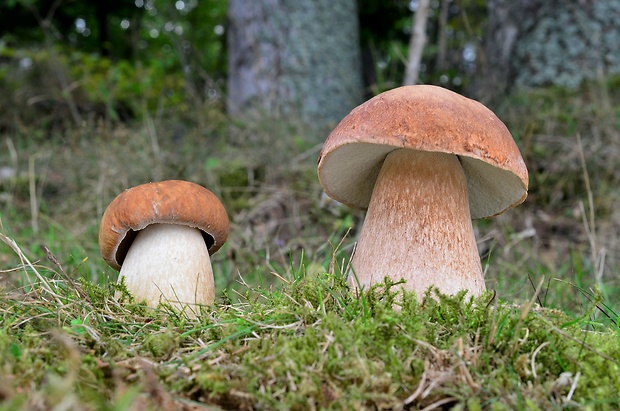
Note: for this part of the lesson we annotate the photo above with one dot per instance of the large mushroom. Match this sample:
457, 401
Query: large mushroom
160, 236
423, 161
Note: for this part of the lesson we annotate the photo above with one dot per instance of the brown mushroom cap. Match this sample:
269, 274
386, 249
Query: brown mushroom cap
165, 202
425, 118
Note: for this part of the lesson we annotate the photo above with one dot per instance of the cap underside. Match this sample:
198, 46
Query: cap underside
348, 174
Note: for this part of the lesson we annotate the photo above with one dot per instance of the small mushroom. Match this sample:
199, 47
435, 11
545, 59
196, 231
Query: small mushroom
160, 236
423, 161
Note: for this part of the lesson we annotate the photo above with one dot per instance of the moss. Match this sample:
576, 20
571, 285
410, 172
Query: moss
162, 344
312, 344
365, 361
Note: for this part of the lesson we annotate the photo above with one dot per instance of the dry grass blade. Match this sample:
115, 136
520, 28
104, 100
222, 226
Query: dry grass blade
418, 390
26, 264
534, 354
439, 403
525, 310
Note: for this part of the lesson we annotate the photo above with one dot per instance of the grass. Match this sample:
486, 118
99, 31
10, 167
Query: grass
306, 343
286, 333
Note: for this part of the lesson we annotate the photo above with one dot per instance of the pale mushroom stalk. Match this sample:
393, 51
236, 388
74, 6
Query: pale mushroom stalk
169, 263
418, 227
419, 216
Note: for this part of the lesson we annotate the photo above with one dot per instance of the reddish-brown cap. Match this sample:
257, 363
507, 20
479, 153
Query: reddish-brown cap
426, 118
166, 202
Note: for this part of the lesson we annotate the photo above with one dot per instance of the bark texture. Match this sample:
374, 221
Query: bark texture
294, 59
531, 43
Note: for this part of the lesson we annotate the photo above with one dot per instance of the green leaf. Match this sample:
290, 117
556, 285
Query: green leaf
15, 351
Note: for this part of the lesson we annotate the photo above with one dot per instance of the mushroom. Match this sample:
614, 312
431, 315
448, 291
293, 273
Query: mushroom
160, 236
423, 161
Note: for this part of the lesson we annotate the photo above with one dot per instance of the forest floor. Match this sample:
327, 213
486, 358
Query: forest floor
286, 332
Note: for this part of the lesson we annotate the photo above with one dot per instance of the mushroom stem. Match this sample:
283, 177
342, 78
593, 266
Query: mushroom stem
169, 263
418, 227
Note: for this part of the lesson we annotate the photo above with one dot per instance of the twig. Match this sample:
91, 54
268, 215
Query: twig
416, 43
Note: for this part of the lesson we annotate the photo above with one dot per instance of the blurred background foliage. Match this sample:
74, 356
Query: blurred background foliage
118, 58
455, 31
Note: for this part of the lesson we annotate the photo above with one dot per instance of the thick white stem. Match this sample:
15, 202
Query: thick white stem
418, 227
169, 263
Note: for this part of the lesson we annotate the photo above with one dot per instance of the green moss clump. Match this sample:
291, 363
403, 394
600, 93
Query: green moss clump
162, 344
312, 344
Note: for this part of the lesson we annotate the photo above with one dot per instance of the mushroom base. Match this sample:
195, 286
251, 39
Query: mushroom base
169, 263
418, 227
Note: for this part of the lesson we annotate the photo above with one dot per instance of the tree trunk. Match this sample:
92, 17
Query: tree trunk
416, 44
294, 60
532, 43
